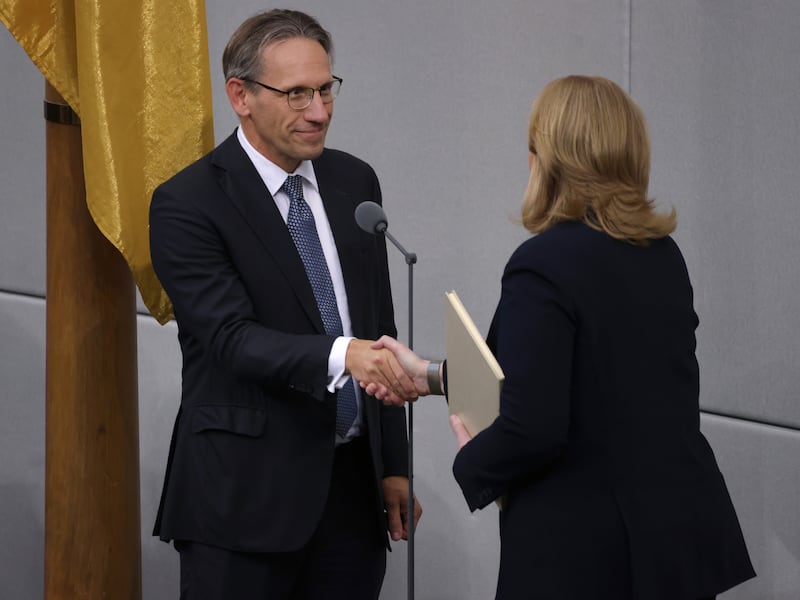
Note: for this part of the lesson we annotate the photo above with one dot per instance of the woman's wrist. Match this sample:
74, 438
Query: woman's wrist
434, 377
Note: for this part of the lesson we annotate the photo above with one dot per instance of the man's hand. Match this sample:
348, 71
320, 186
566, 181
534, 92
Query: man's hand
395, 494
379, 366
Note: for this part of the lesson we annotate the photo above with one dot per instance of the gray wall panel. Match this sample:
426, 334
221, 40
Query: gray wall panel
759, 464
719, 83
436, 97
159, 398
22, 183
760, 467
22, 436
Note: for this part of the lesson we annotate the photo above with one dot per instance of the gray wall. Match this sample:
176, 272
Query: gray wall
436, 97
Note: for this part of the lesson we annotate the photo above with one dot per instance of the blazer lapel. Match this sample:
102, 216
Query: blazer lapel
340, 208
242, 185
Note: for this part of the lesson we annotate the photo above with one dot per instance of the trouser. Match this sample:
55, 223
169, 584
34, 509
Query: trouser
344, 560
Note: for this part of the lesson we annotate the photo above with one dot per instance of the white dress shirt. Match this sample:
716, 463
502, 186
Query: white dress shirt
274, 177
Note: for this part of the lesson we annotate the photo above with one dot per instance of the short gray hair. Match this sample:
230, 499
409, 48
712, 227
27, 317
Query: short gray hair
242, 55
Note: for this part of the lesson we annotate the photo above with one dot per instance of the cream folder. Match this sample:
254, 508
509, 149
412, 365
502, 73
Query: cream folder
474, 378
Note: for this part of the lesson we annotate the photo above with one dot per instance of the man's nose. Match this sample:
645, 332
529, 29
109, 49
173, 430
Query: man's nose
317, 111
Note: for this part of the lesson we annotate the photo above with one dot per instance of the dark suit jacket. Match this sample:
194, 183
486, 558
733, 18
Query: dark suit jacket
612, 491
253, 443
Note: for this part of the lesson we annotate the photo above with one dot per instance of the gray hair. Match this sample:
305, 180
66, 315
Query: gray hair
242, 55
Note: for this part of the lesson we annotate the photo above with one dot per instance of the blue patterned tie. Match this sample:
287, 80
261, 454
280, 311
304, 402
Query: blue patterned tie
303, 230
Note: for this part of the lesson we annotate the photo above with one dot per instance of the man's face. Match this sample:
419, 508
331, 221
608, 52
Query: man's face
284, 135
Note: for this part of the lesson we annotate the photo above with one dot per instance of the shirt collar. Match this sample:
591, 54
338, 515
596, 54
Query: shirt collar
272, 175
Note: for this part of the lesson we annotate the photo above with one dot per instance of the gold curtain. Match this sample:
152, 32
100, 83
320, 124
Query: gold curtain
137, 74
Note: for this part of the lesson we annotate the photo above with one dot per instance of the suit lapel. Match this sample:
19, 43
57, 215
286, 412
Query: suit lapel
340, 209
242, 185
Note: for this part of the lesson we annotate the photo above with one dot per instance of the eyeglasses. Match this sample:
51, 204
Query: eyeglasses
300, 98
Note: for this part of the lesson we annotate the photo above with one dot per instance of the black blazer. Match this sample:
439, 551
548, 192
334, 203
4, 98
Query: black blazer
253, 443
611, 489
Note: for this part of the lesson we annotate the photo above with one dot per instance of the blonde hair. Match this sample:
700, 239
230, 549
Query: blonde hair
592, 162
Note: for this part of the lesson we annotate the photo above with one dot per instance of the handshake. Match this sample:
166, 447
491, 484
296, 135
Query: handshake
391, 371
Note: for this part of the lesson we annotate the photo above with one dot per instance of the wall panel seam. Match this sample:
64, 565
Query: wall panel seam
29, 295
753, 420
627, 35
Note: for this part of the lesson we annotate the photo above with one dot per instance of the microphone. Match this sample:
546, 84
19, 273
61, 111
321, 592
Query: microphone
371, 218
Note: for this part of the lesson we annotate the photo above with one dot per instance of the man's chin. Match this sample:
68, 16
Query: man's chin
314, 152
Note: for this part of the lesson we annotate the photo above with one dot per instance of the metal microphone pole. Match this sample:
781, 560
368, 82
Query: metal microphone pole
411, 259
371, 218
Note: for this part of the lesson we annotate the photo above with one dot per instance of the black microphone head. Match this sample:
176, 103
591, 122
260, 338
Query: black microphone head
371, 218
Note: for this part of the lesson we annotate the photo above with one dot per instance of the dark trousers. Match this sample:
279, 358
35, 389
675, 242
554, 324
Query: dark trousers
344, 560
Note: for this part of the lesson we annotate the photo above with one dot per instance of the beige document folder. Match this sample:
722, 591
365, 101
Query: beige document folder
474, 377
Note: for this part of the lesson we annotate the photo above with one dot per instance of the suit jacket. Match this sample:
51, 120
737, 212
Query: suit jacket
253, 443
612, 491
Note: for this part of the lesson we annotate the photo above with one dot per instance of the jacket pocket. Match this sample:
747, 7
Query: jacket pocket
241, 420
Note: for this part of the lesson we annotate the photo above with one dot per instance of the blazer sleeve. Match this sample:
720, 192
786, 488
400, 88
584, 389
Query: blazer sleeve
213, 305
533, 333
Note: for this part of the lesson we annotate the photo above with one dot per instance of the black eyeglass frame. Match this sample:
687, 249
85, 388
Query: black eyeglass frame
309, 97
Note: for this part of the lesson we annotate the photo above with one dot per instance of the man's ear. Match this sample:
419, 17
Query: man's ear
237, 96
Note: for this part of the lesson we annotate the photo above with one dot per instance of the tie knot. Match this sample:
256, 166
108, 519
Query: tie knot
293, 186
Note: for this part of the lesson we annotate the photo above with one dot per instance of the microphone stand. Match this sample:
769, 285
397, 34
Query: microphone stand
411, 259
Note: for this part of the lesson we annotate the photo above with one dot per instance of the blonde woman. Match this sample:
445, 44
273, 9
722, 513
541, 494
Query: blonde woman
611, 490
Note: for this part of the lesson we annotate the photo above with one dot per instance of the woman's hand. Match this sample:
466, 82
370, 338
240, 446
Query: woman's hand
462, 435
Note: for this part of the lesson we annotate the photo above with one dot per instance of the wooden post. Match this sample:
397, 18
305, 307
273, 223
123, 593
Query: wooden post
92, 522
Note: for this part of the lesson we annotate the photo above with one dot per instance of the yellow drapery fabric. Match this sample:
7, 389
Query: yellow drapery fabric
137, 74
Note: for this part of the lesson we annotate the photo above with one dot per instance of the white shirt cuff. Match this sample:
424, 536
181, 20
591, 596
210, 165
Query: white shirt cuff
336, 363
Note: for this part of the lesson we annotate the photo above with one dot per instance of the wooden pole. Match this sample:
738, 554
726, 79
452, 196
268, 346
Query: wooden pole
92, 522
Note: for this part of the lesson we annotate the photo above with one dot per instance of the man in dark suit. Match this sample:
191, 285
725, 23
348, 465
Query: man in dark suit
282, 473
